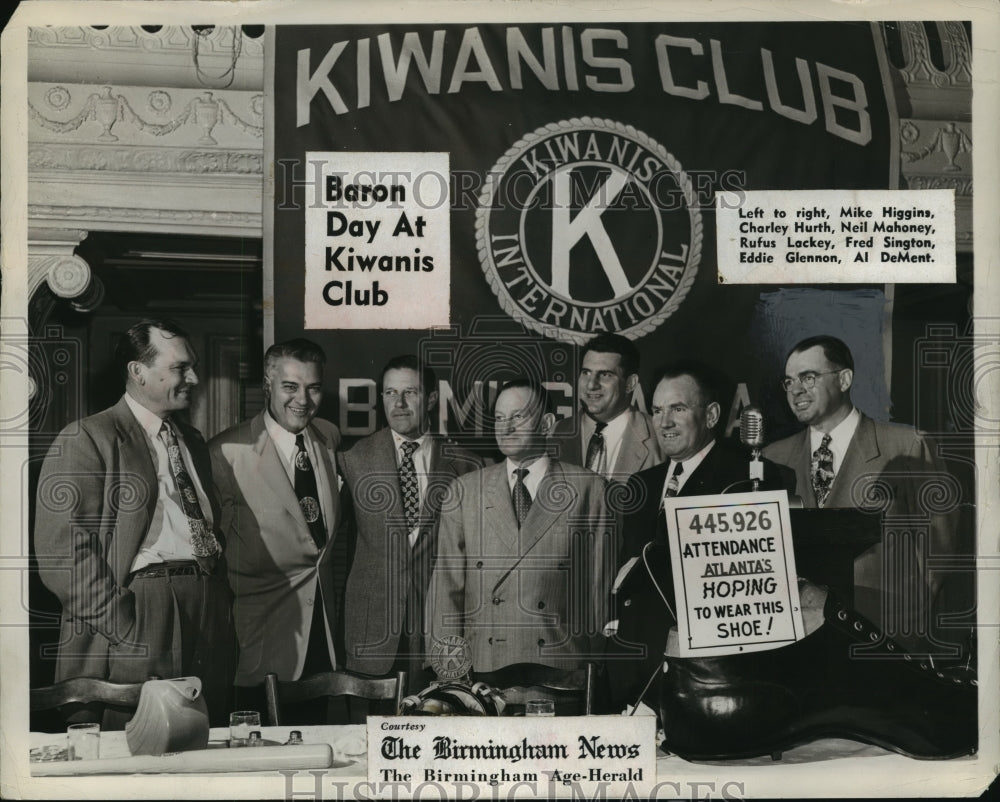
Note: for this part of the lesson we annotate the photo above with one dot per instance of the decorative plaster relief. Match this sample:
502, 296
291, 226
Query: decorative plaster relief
124, 159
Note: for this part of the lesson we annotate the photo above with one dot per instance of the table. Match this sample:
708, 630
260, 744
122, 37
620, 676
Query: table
348, 742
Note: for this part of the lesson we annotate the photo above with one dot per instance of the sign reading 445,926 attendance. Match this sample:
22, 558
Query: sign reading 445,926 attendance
734, 573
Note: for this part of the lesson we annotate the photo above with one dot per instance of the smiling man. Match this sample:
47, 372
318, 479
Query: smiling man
133, 552
609, 437
524, 550
843, 458
277, 477
395, 533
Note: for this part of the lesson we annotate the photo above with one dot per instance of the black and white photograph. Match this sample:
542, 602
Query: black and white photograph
499, 400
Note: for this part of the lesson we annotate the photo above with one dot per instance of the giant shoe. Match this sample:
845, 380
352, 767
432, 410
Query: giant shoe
766, 702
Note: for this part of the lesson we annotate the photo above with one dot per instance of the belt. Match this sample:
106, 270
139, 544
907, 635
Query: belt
173, 568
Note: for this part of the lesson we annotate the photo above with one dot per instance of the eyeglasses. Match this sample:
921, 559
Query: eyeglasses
807, 379
410, 394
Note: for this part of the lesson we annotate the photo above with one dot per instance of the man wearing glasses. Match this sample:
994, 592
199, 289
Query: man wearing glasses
845, 459
397, 478
525, 551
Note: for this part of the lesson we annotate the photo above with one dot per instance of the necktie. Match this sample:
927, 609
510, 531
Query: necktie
521, 496
595, 450
203, 542
822, 471
308, 495
408, 481
673, 484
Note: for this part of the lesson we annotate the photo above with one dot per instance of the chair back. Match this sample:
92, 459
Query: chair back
572, 690
327, 684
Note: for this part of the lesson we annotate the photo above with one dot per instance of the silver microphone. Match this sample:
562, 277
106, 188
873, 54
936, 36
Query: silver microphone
752, 427
752, 435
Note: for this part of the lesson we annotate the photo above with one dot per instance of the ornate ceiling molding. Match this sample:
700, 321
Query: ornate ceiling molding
51, 260
178, 56
114, 159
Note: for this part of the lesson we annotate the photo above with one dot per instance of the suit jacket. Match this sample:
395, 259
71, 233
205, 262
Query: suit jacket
275, 569
95, 500
534, 595
643, 617
889, 468
389, 578
640, 448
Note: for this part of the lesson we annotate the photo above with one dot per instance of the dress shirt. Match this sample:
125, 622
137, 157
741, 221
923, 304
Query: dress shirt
613, 435
840, 438
421, 460
284, 443
690, 466
169, 535
536, 470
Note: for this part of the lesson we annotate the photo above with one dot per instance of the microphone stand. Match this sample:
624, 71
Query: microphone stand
756, 469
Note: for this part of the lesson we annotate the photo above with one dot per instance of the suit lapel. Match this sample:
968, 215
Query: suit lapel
862, 449
268, 465
633, 451
543, 513
135, 461
326, 474
498, 509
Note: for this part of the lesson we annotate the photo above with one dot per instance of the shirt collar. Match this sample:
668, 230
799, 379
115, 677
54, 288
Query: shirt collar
150, 422
283, 439
615, 427
691, 463
536, 470
841, 434
398, 440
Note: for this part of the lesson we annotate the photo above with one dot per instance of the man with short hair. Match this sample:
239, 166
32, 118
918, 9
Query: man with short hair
843, 458
277, 477
132, 551
686, 411
397, 478
611, 438
525, 550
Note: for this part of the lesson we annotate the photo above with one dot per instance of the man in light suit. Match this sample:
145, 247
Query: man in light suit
395, 534
845, 459
277, 477
686, 410
524, 550
125, 532
610, 437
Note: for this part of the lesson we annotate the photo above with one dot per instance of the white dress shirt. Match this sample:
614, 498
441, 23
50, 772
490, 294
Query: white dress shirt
613, 435
840, 438
169, 535
690, 466
284, 444
536, 471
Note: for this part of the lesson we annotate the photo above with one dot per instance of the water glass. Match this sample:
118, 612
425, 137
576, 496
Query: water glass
240, 724
84, 741
540, 707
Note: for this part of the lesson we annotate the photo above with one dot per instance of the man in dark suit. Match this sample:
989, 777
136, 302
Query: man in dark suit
524, 552
609, 437
845, 459
397, 478
125, 532
277, 478
686, 411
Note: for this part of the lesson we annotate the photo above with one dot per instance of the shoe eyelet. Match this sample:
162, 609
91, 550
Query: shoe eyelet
940, 675
974, 682
923, 666
892, 647
873, 636
841, 615
857, 626
908, 657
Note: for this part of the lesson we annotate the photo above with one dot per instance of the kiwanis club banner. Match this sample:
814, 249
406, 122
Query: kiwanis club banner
529, 185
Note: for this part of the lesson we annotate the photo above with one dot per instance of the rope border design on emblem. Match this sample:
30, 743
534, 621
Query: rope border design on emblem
499, 170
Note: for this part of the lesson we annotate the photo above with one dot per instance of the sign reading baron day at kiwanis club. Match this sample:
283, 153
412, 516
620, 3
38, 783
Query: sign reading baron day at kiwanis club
562, 175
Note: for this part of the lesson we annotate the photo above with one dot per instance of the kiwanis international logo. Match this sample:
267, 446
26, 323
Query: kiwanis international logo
450, 657
589, 225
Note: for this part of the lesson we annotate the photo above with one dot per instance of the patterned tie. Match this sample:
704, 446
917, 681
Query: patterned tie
308, 495
203, 542
408, 481
521, 496
674, 485
822, 471
595, 450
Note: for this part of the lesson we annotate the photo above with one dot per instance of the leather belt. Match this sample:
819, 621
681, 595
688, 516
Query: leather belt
174, 568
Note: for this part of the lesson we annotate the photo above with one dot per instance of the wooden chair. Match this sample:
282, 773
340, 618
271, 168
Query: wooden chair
79, 691
327, 684
572, 690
